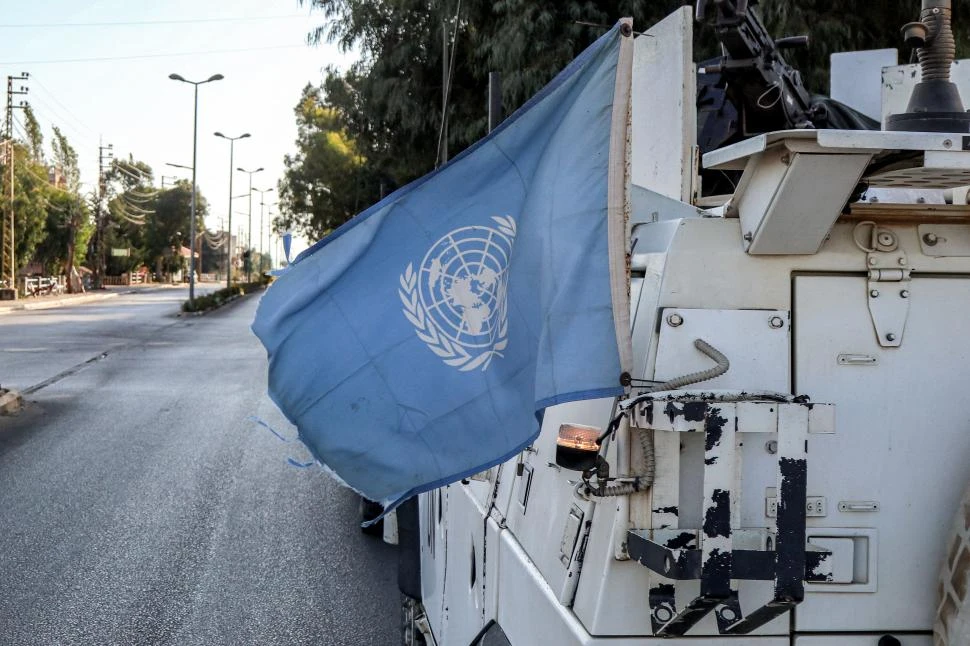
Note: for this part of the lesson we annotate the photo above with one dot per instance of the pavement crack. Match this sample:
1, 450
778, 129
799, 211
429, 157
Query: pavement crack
98, 357
66, 373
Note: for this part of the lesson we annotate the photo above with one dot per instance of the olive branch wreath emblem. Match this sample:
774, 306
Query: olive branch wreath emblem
450, 351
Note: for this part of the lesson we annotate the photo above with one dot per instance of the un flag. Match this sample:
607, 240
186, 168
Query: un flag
419, 343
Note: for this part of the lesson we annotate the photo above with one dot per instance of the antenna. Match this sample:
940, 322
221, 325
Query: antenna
935, 104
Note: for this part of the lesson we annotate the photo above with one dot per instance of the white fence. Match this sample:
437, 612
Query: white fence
44, 285
131, 278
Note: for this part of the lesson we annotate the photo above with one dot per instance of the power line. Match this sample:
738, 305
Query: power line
129, 23
81, 142
47, 92
101, 59
23, 130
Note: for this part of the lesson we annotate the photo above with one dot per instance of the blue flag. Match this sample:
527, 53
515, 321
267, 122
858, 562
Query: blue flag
287, 244
419, 343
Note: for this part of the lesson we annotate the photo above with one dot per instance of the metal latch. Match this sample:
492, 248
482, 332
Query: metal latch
722, 553
888, 295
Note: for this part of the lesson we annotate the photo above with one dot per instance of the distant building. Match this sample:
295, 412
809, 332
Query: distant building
56, 177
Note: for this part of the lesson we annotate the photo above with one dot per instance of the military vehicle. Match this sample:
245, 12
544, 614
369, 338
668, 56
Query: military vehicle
789, 466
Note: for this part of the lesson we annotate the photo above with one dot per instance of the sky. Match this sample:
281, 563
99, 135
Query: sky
108, 84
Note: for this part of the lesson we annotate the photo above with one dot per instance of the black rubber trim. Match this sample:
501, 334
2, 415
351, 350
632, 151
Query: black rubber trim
409, 549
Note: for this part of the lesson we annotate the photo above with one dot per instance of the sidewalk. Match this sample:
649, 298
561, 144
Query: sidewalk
62, 300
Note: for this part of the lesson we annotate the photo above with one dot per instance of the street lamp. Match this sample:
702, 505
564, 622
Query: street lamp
249, 239
269, 232
195, 133
262, 196
232, 143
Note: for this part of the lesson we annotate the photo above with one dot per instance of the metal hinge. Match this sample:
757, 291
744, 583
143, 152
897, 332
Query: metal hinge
888, 295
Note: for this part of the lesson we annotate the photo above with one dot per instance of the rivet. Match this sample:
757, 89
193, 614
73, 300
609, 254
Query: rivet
675, 320
947, 143
776, 322
904, 293
872, 261
921, 200
874, 293
930, 239
890, 337
873, 199
902, 262
771, 446
786, 159
748, 236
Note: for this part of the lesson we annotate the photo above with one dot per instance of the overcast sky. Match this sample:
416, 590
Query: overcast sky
126, 99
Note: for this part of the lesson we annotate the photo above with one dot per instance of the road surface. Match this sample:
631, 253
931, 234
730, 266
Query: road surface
139, 504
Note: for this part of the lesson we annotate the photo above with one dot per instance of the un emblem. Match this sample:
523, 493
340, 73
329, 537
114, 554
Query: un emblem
457, 299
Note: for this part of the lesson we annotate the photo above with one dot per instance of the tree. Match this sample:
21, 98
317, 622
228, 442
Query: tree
65, 161
323, 182
131, 204
168, 230
68, 229
849, 25
35, 136
77, 218
30, 194
390, 102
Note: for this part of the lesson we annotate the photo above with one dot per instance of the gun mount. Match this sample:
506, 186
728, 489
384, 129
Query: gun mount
751, 89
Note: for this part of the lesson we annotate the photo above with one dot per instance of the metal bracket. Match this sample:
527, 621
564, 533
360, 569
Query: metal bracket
721, 553
944, 240
888, 292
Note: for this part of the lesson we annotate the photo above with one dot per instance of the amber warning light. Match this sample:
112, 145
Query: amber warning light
576, 447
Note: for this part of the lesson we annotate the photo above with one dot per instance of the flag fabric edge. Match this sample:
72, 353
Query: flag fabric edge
618, 197
575, 65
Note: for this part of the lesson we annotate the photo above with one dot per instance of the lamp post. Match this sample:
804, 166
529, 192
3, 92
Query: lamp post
249, 238
232, 143
262, 203
195, 131
269, 232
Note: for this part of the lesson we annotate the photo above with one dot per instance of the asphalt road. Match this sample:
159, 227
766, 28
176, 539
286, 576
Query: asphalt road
139, 504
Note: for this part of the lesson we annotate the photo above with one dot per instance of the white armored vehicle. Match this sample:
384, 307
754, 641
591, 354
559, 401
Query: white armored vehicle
788, 465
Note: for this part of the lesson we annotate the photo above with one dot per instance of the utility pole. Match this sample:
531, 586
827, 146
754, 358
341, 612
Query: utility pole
8, 249
262, 203
105, 158
269, 233
249, 237
232, 143
11, 93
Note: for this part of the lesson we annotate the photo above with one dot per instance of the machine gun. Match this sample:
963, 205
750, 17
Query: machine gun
766, 91
751, 89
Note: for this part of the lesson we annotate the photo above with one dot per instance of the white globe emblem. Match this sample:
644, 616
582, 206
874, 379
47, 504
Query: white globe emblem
457, 299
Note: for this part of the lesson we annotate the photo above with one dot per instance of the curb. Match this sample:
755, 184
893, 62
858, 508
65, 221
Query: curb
73, 300
10, 402
44, 305
76, 300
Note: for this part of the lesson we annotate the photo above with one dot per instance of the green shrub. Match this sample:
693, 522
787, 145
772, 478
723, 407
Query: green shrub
223, 296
